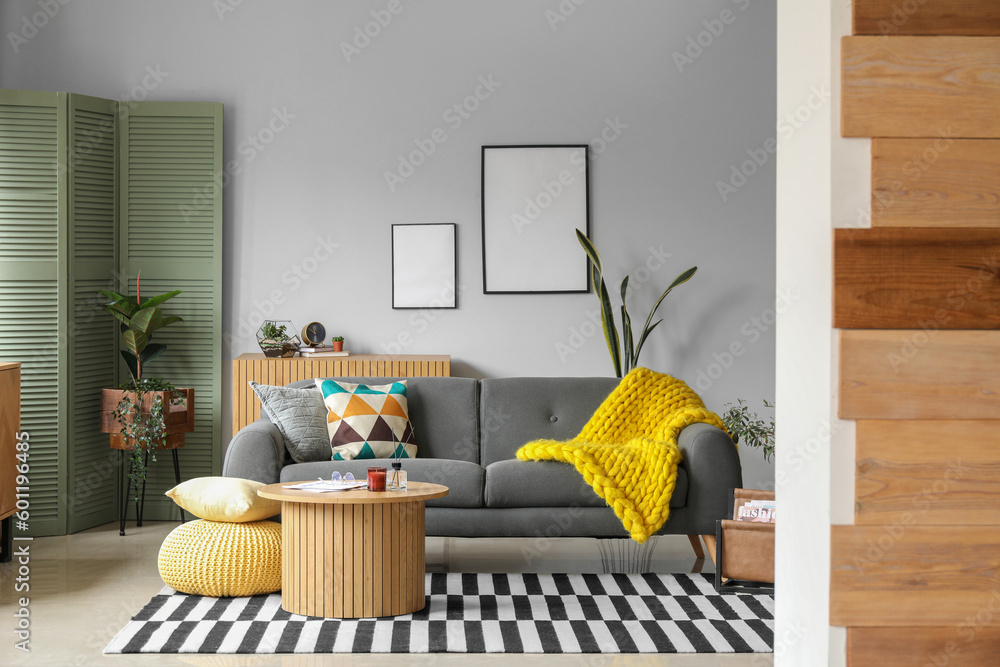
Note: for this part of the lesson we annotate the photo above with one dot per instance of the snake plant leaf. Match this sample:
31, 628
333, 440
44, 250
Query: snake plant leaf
610, 331
595, 257
154, 301
135, 341
626, 331
642, 339
682, 278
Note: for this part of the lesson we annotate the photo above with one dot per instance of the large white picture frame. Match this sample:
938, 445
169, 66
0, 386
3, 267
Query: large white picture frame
534, 200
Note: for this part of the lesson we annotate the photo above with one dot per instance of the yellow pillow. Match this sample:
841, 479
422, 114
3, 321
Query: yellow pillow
228, 499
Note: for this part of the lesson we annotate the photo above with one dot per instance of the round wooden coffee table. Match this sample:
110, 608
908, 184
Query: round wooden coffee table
352, 554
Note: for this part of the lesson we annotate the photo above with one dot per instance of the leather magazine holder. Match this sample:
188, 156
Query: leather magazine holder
744, 549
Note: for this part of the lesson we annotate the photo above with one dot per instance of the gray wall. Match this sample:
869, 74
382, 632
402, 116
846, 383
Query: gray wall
309, 137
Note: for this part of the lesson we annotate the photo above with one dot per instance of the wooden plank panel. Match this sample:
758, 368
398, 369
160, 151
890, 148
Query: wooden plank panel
894, 278
939, 182
927, 472
912, 87
359, 559
913, 575
348, 578
388, 548
917, 374
378, 536
926, 17
328, 568
338, 560
966, 645
369, 512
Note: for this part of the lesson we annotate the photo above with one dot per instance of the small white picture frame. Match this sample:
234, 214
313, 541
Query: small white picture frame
424, 265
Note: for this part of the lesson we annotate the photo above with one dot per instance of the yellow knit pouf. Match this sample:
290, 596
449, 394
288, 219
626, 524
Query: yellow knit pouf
222, 559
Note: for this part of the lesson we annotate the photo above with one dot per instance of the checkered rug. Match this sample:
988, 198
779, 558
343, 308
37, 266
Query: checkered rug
475, 613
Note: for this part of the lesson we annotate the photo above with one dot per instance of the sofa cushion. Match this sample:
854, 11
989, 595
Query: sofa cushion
516, 483
300, 417
518, 410
463, 479
443, 412
368, 421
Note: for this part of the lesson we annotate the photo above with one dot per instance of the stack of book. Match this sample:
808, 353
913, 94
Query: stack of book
757, 511
308, 351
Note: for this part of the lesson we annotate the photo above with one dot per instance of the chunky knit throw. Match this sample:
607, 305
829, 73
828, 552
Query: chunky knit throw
628, 450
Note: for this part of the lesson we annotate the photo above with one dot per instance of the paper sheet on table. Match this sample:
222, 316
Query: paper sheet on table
326, 486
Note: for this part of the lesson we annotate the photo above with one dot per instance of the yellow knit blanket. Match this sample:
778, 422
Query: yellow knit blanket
628, 450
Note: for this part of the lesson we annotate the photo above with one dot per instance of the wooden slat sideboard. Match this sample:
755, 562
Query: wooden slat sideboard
278, 371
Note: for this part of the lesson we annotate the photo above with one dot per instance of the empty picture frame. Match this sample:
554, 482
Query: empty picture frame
534, 200
424, 266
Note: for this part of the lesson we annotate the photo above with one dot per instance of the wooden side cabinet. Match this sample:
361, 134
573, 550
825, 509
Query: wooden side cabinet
279, 371
10, 424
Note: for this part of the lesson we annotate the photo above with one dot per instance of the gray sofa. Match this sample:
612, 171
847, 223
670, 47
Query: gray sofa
468, 432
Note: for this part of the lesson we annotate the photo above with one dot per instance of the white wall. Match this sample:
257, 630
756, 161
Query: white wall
341, 125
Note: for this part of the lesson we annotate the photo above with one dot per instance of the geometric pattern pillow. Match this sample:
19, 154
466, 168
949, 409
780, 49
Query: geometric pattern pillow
368, 421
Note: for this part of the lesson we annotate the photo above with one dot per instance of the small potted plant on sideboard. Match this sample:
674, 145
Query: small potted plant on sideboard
338, 343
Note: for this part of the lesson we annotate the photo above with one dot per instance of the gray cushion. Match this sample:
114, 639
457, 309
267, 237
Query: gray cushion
463, 479
517, 410
516, 483
300, 417
442, 410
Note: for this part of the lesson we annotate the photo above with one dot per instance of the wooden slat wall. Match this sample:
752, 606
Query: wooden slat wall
936, 182
916, 278
926, 17
916, 579
921, 87
277, 371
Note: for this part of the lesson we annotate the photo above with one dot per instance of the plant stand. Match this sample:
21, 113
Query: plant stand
141, 503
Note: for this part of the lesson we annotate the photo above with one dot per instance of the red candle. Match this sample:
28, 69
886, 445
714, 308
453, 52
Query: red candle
376, 479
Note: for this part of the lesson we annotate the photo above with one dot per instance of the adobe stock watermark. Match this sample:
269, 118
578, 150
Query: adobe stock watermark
30, 25
421, 321
914, 169
364, 35
967, 631
550, 190
922, 504
958, 298
591, 325
251, 146
454, 117
714, 28
790, 123
294, 277
751, 330
901, 13
563, 11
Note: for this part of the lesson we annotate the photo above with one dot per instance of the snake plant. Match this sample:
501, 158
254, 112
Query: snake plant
625, 351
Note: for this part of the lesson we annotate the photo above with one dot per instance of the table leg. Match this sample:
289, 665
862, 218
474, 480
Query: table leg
177, 479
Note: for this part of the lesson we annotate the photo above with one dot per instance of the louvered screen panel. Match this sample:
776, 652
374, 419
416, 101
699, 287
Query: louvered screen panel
171, 224
32, 280
93, 470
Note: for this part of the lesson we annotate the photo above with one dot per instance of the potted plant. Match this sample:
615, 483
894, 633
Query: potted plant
748, 427
624, 353
143, 414
338, 343
275, 341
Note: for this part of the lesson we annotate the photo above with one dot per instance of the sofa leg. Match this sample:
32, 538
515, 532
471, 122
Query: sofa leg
695, 540
710, 545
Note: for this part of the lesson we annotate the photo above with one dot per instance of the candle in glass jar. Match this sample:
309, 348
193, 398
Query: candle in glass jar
376, 479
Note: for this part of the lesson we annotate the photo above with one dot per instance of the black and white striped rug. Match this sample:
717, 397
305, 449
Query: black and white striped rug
475, 613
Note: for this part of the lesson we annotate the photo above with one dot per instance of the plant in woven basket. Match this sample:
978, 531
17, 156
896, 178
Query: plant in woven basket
139, 413
747, 426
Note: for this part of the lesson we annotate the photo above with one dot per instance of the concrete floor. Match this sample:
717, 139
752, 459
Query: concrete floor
85, 587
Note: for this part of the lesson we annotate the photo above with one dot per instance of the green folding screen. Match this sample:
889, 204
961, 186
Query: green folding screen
92, 191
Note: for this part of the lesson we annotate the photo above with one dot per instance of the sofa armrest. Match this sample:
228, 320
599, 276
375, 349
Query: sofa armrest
713, 466
256, 452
